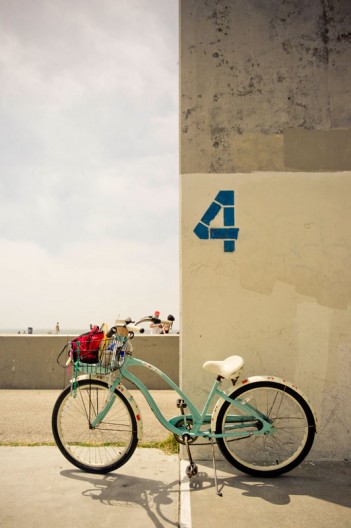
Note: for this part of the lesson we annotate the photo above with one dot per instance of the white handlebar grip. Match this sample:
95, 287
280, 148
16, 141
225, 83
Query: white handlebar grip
135, 329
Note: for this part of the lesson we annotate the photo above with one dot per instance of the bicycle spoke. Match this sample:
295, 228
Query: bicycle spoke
107, 445
275, 450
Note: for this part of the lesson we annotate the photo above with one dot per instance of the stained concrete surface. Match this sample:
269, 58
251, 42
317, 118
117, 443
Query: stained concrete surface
39, 487
312, 495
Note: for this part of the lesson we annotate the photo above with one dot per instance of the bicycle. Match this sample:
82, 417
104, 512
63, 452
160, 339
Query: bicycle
263, 427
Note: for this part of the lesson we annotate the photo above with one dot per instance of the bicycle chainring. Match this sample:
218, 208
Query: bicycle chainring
188, 427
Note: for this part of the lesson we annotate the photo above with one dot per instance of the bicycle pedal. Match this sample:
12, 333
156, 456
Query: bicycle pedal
191, 470
181, 404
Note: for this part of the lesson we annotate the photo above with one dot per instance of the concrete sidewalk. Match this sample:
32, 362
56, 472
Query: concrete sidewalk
311, 496
38, 485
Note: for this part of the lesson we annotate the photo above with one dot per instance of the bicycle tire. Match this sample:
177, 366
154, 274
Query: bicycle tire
277, 452
104, 448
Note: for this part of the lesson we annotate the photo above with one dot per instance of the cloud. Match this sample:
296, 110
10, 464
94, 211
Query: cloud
88, 158
86, 284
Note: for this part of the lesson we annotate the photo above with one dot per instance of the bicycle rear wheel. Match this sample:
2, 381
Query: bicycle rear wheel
279, 451
96, 450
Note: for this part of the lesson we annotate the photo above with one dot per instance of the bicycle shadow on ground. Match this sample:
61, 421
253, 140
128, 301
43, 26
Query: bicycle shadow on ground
131, 492
325, 481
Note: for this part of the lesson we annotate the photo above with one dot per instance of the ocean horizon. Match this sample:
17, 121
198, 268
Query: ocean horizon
49, 331
40, 331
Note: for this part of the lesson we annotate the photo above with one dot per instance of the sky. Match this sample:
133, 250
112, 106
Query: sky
89, 179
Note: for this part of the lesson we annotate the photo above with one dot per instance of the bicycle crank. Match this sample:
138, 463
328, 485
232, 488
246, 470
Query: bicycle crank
187, 425
191, 470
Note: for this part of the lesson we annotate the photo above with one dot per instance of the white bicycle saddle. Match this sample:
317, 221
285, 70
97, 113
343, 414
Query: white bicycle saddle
228, 368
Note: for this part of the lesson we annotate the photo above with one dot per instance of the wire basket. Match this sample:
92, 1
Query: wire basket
109, 355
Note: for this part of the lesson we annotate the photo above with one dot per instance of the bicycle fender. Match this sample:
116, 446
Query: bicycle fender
249, 381
123, 390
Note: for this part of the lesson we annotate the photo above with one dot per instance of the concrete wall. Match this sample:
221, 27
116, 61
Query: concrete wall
265, 85
266, 113
29, 361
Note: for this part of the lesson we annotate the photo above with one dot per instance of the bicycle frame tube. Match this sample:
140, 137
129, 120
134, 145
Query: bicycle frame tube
124, 373
198, 419
240, 421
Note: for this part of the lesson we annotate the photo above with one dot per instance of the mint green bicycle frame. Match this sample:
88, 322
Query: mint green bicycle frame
197, 419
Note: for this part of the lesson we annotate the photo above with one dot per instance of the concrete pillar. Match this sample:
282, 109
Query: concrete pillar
265, 191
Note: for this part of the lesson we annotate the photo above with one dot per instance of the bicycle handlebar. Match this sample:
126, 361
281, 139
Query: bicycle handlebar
156, 320
133, 327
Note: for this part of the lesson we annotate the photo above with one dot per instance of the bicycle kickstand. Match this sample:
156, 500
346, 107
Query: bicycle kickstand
191, 470
219, 493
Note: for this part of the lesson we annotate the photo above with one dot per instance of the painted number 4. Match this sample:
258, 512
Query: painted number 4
224, 201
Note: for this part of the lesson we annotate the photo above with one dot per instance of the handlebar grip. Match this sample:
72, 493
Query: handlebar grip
135, 329
111, 332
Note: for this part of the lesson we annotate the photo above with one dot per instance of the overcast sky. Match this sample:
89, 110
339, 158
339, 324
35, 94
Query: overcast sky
88, 161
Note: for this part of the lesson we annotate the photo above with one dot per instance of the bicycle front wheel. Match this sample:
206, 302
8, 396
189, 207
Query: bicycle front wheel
282, 449
101, 449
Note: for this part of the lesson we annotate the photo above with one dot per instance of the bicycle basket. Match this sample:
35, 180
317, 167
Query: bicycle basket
111, 350
99, 355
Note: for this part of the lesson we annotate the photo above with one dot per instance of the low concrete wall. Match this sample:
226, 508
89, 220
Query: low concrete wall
30, 361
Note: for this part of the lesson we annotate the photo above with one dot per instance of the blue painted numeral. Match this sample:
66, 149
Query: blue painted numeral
224, 201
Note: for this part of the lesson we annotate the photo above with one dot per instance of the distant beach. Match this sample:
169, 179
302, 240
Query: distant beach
43, 331
64, 331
